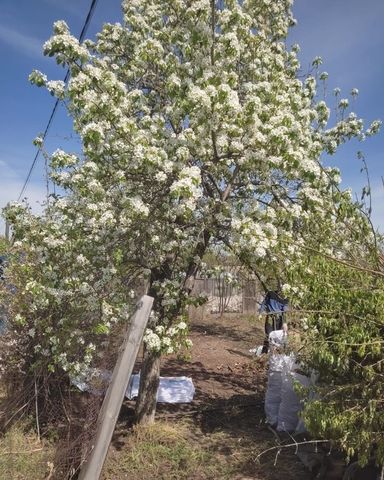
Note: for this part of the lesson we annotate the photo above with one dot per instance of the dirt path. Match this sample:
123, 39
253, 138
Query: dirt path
226, 417
221, 366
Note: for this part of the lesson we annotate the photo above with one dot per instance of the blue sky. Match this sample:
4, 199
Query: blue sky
347, 34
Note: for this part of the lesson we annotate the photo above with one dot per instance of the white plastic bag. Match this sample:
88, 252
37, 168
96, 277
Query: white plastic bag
257, 350
278, 338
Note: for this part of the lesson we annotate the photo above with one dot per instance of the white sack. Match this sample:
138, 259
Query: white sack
278, 363
290, 406
273, 397
282, 404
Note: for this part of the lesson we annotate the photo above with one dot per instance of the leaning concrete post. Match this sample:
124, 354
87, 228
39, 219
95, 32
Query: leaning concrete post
116, 391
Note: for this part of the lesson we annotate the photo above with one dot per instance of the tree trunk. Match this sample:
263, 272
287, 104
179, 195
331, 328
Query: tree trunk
150, 370
149, 383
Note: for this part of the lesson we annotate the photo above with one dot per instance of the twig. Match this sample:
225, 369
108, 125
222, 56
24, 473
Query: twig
348, 344
23, 452
296, 444
37, 412
278, 439
51, 470
343, 262
277, 454
14, 415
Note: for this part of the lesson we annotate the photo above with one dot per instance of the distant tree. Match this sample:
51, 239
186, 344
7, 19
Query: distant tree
196, 130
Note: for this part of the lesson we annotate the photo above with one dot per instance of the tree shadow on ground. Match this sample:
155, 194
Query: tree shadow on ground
241, 421
229, 332
219, 382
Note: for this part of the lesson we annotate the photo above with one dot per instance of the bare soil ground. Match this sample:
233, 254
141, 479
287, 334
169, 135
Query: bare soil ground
223, 430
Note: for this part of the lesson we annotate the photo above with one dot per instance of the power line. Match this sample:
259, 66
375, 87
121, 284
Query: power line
81, 38
87, 20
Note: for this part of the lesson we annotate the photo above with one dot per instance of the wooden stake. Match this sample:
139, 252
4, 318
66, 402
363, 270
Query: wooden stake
116, 391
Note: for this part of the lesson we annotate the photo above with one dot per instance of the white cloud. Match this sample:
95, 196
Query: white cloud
21, 42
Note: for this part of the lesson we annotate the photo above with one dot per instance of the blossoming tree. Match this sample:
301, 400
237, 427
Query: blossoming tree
196, 131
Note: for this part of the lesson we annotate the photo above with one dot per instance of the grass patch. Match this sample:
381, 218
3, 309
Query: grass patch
23, 456
219, 445
164, 451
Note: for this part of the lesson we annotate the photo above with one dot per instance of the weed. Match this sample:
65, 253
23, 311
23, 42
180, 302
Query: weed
23, 456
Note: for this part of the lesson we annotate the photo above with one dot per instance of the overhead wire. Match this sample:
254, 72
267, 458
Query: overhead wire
67, 75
